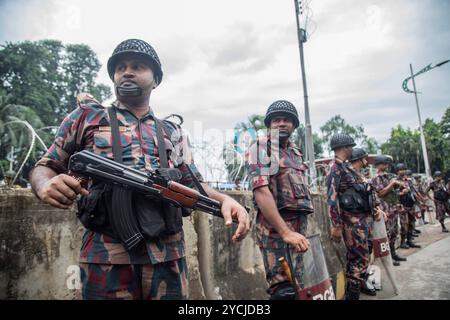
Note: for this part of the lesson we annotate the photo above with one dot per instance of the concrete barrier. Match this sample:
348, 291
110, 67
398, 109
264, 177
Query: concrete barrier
39, 248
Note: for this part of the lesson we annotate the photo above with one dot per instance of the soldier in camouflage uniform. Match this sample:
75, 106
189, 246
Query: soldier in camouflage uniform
441, 195
417, 184
358, 161
277, 179
349, 216
157, 268
386, 190
406, 212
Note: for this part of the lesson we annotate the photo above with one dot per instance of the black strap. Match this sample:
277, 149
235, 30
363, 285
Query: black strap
163, 155
116, 146
163, 162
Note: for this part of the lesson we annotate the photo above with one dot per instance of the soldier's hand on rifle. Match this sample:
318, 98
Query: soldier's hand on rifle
231, 209
61, 191
336, 234
296, 241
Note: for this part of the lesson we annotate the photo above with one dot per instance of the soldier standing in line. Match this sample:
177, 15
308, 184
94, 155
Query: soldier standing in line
387, 193
358, 162
441, 196
417, 183
407, 216
349, 209
277, 178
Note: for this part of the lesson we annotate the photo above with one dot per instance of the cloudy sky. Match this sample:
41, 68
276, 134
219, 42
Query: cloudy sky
226, 60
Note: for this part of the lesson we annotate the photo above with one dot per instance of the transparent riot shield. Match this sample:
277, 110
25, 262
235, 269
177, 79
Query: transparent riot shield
382, 271
316, 280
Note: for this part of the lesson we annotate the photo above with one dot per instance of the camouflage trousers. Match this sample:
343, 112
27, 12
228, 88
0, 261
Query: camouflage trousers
163, 281
392, 225
404, 221
440, 210
273, 247
356, 236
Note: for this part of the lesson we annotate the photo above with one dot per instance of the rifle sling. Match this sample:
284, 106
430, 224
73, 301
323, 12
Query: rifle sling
163, 155
117, 148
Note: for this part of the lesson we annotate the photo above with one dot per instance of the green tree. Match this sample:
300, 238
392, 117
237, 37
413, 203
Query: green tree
404, 146
337, 124
47, 76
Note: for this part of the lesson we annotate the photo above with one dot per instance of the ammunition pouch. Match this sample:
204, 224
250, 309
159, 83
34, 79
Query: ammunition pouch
154, 218
282, 291
93, 209
355, 199
441, 195
407, 200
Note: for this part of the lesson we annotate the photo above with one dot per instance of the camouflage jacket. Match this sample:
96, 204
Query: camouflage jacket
388, 202
341, 176
87, 127
283, 171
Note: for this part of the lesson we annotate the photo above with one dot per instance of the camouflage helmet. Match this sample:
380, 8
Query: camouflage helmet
437, 174
340, 140
357, 154
136, 46
408, 173
10, 174
281, 108
400, 166
382, 159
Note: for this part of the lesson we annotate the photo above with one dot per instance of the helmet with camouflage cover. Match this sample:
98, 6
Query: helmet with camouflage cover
400, 166
140, 47
341, 140
382, 159
358, 154
437, 174
281, 108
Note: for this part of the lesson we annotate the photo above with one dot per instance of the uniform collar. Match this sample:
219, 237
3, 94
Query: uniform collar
119, 105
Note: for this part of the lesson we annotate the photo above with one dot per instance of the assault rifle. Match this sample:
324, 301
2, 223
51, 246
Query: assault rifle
160, 185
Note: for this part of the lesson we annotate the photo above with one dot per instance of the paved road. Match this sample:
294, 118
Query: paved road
426, 274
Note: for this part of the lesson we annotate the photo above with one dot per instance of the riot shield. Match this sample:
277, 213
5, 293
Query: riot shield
382, 271
316, 280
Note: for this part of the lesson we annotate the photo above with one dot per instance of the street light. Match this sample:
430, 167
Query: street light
301, 33
406, 89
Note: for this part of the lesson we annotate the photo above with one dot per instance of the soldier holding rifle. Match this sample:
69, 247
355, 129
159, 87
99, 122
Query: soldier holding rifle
152, 267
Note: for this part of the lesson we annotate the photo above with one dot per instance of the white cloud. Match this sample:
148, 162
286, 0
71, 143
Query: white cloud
226, 60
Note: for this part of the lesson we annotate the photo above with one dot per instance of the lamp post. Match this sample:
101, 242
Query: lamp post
301, 33
406, 89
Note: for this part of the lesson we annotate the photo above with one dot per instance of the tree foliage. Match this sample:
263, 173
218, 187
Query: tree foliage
337, 124
47, 76
404, 145
39, 82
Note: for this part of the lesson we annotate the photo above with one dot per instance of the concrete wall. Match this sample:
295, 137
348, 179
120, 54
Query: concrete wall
39, 248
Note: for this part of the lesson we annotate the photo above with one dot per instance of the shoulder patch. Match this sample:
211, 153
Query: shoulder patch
86, 100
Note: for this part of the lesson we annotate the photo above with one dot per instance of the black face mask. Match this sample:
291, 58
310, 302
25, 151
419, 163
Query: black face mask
130, 90
284, 135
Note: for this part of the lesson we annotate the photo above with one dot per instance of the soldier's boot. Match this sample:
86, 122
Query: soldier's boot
368, 288
411, 244
403, 244
444, 229
417, 231
395, 256
352, 291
